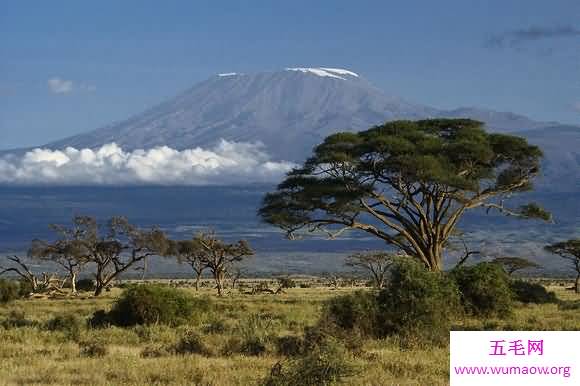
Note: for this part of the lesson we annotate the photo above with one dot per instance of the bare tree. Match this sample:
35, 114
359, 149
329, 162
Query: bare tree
375, 263
219, 256
44, 283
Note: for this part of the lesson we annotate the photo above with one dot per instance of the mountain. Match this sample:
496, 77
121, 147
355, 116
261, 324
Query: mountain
291, 110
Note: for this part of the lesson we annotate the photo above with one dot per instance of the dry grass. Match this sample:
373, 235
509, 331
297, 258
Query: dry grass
31, 355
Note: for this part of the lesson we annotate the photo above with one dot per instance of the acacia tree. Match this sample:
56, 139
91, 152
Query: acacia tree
569, 250
69, 251
376, 263
116, 247
219, 256
513, 264
189, 252
406, 182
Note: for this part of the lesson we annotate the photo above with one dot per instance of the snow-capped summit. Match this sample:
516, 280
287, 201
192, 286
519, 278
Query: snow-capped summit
292, 110
325, 71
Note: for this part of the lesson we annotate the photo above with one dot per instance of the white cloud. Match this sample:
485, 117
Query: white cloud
227, 163
60, 86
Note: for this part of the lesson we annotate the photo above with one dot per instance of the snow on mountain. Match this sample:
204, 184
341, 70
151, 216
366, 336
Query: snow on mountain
323, 71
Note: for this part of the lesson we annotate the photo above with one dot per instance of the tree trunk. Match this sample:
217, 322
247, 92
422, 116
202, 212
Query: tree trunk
577, 284
197, 277
73, 282
98, 290
218, 282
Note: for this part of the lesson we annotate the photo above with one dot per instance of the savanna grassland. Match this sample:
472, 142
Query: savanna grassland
37, 349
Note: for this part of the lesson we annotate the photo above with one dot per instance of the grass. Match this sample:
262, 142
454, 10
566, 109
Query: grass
30, 354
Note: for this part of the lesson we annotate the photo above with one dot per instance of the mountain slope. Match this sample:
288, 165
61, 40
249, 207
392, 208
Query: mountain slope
290, 111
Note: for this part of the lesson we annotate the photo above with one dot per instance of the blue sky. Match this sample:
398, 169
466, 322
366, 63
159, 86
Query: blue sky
71, 66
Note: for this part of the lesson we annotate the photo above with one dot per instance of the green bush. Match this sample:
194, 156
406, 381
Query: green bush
485, 289
417, 305
527, 292
24, 288
87, 285
151, 304
16, 319
354, 312
290, 345
326, 364
192, 343
9, 291
70, 324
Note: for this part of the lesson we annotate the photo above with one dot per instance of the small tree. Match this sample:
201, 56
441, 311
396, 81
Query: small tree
513, 264
219, 256
376, 263
189, 252
116, 247
69, 251
569, 250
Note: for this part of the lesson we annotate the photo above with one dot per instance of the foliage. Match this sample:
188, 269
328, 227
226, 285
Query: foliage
485, 289
86, 284
113, 248
9, 291
417, 305
192, 343
569, 250
151, 304
433, 170
513, 264
326, 364
70, 324
357, 312
527, 292
290, 345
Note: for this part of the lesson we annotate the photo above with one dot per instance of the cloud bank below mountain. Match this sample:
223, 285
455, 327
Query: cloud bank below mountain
226, 164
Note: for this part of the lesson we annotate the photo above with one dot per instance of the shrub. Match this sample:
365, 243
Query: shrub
150, 304
9, 291
527, 292
356, 312
93, 349
99, 319
286, 282
69, 324
326, 364
24, 288
16, 319
155, 351
254, 346
417, 305
217, 326
87, 285
192, 343
290, 345
485, 289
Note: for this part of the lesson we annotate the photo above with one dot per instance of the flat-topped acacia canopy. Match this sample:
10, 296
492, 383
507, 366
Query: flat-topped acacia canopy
406, 182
